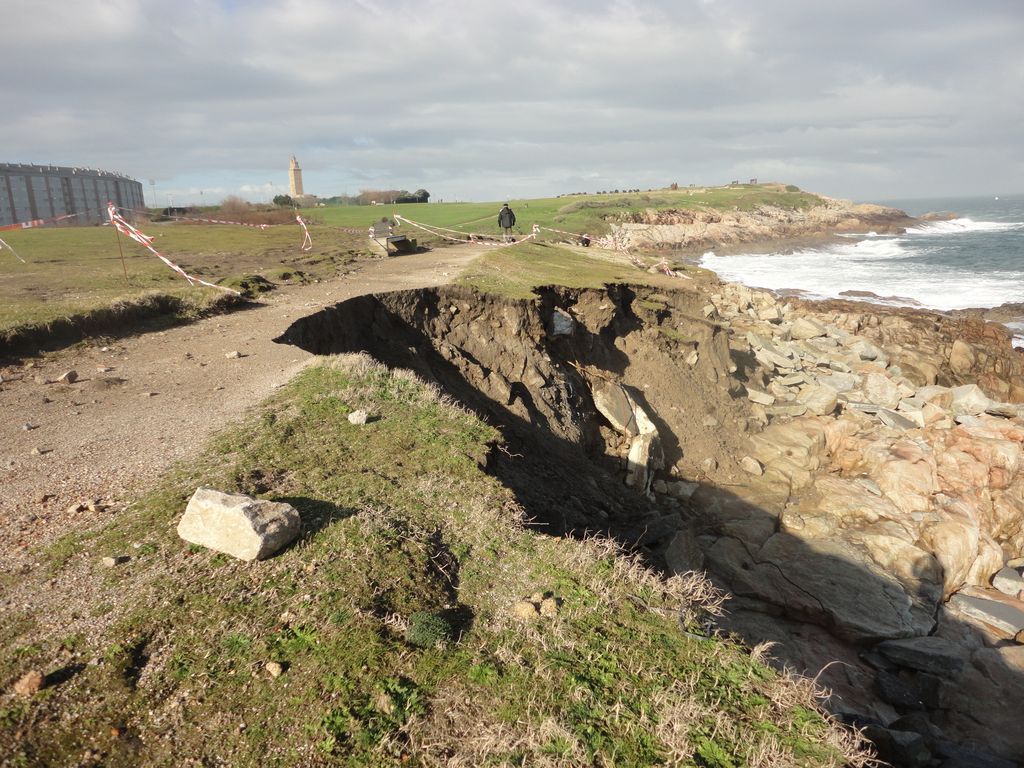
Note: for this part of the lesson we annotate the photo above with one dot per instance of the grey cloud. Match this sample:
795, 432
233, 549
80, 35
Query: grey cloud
864, 100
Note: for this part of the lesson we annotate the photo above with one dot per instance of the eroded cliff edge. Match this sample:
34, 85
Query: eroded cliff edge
853, 474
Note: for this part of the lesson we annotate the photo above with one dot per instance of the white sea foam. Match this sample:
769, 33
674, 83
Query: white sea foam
963, 226
895, 267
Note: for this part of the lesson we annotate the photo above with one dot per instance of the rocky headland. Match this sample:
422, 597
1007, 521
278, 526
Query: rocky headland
695, 229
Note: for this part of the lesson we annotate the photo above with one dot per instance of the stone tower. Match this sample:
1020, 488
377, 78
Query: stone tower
295, 179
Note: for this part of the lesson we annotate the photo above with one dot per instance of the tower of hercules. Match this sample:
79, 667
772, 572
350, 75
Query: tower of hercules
295, 178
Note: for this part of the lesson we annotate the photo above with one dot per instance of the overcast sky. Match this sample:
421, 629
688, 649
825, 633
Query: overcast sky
486, 100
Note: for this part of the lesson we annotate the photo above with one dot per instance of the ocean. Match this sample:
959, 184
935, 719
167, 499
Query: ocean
973, 260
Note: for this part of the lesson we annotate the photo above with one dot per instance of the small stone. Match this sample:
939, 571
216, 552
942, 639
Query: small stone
525, 610
111, 562
710, 421
274, 669
28, 427
103, 369
692, 358
1008, 581
41, 451
233, 355
751, 465
150, 394
30, 683
42, 498
757, 396
709, 465
75, 508
68, 377
358, 417
1019, 638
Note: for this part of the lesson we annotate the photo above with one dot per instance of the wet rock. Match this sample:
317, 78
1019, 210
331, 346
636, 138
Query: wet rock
238, 525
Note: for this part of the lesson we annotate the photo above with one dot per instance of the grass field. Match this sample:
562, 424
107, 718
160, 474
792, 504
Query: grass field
577, 213
74, 271
77, 270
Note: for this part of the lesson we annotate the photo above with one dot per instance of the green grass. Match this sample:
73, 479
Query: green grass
399, 524
78, 270
592, 214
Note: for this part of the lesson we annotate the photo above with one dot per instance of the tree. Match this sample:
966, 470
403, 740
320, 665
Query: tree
422, 196
284, 201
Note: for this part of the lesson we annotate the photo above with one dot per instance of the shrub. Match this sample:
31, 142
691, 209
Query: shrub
427, 630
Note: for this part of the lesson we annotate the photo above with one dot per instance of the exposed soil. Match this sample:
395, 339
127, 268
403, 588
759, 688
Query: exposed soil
140, 403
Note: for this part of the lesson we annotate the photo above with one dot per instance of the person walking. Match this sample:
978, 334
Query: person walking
506, 220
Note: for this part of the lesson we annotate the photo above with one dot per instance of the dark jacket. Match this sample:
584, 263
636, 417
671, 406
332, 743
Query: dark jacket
506, 218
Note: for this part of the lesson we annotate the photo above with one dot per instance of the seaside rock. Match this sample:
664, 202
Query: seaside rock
238, 525
1004, 616
825, 581
969, 400
936, 395
806, 328
897, 421
1008, 581
683, 554
961, 357
925, 654
879, 389
757, 396
955, 545
820, 400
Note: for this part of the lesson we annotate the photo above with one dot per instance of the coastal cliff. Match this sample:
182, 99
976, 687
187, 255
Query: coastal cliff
701, 228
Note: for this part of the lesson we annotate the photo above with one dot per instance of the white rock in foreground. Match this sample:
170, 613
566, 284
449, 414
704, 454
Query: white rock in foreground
237, 525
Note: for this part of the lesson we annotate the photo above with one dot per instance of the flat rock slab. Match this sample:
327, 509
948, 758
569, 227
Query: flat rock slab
238, 525
925, 654
1001, 615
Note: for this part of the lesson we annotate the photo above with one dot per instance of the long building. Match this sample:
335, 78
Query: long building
33, 192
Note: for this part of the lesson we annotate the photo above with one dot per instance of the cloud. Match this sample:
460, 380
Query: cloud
482, 101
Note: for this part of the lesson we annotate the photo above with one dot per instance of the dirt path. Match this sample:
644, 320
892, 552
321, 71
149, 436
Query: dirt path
73, 454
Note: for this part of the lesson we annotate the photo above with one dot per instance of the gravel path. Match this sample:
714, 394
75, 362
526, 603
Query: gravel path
73, 454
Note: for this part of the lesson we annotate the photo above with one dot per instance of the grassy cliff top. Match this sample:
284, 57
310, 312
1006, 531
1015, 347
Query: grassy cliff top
415, 622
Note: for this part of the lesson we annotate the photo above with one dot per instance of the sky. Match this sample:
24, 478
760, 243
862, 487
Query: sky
202, 99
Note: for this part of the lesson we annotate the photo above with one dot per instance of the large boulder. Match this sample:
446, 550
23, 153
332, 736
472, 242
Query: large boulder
238, 525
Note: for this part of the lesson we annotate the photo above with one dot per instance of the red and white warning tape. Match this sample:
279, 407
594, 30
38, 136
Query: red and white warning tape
8, 247
40, 222
146, 241
307, 241
472, 236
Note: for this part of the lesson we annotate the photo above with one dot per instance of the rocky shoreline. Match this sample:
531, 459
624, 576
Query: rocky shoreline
893, 443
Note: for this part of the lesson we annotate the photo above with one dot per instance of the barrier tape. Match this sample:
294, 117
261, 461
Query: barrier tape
40, 222
202, 221
8, 247
307, 241
146, 241
473, 237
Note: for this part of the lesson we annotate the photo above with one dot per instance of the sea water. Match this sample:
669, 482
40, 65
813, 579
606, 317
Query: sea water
975, 259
